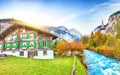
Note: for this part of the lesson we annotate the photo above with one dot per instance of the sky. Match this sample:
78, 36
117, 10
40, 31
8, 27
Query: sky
83, 15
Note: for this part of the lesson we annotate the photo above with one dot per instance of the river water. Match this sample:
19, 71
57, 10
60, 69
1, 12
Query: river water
98, 64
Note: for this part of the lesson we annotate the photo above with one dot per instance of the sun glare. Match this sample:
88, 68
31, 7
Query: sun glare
34, 17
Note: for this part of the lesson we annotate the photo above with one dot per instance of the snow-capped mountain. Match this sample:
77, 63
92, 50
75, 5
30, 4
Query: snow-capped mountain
63, 33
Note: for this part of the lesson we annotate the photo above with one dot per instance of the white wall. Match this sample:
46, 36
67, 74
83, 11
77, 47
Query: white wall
50, 55
16, 53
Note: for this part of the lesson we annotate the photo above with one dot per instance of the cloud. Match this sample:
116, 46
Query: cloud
108, 5
97, 7
66, 19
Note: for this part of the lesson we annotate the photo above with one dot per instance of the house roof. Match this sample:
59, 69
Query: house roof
25, 24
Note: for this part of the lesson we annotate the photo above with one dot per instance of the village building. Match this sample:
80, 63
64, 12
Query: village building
22, 39
101, 28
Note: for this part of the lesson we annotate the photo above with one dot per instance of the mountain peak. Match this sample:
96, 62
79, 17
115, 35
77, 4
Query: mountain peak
63, 33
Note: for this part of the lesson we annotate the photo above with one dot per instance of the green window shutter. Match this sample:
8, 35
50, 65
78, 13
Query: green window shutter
27, 44
21, 44
48, 43
7, 45
27, 36
3, 46
10, 45
16, 45
34, 44
41, 43
34, 35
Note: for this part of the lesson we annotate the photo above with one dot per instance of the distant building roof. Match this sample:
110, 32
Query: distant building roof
99, 27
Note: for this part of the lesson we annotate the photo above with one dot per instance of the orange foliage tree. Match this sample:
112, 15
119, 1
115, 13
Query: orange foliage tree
63, 46
72, 46
76, 46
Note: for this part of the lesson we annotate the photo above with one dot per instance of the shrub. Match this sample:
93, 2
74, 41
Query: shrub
92, 48
117, 49
110, 41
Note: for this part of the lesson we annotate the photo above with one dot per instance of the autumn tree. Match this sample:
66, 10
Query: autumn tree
77, 46
54, 46
85, 39
63, 46
110, 41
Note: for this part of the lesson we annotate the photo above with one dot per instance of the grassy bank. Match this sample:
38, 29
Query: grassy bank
25, 66
80, 69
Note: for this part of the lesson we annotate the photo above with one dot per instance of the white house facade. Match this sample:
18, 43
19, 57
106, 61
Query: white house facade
24, 40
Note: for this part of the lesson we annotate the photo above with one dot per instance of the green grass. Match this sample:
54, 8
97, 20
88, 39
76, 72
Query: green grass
25, 66
80, 69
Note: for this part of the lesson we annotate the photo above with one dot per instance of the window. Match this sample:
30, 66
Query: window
42, 35
33, 45
15, 37
35, 53
0, 46
44, 52
11, 38
14, 33
8, 45
44, 43
22, 53
15, 45
23, 30
24, 45
23, 36
8, 38
31, 35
